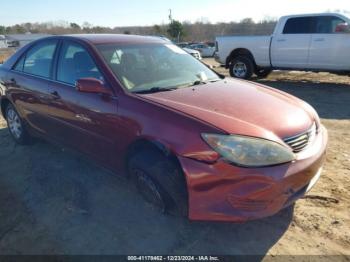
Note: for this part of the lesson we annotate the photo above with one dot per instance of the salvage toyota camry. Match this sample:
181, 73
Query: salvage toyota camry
195, 143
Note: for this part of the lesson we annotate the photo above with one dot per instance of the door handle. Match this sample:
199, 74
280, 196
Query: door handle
319, 40
281, 40
55, 95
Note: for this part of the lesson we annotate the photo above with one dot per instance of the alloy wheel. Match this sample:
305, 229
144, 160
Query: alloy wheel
14, 123
240, 69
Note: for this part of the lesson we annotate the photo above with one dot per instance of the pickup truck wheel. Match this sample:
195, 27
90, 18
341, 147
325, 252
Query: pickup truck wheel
159, 181
241, 67
16, 126
262, 73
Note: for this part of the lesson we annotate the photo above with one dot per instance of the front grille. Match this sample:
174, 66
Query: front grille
299, 142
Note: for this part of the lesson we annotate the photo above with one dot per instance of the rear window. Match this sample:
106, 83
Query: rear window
299, 25
38, 60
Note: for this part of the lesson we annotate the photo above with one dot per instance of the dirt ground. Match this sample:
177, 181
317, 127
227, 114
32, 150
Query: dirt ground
5, 53
56, 202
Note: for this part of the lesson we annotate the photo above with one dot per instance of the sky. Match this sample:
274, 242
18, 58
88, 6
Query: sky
114, 13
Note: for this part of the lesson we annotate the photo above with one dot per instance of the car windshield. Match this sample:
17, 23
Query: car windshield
155, 67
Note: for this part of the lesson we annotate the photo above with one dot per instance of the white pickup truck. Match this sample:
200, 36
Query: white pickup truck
315, 42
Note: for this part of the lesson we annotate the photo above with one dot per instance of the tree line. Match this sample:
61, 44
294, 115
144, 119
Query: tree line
175, 30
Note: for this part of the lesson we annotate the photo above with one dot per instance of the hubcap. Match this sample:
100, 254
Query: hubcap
14, 123
240, 69
149, 189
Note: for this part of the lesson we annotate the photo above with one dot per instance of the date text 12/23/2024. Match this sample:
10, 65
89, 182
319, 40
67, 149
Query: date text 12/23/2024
173, 258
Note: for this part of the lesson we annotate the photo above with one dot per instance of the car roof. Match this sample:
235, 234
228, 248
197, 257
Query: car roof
97, 39
94, 39
314, 14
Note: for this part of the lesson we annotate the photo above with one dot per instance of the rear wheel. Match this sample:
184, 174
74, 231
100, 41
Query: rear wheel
160, 181
242, 67
262, 73
16, 126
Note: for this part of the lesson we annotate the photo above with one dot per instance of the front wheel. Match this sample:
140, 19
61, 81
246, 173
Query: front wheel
16, 126
242, 67
160, 181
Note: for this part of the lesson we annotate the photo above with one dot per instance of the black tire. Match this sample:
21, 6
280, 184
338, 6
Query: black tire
21, 136
262, 73
242, 67
159, 177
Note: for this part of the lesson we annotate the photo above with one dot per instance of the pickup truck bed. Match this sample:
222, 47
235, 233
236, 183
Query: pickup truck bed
259, 47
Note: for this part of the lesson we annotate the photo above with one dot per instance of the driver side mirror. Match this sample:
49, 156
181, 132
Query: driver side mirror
92, 85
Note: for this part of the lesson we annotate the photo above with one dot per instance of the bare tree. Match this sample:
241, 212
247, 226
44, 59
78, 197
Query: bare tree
201, 30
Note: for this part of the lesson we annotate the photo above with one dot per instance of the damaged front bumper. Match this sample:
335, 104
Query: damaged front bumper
224, 192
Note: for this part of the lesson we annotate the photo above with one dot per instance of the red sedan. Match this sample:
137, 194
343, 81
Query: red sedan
194, 143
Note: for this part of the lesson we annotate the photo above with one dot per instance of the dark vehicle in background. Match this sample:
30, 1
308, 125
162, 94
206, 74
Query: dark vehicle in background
194, 143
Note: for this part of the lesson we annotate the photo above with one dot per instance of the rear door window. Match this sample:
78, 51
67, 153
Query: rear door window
299, 25
38, 60
328, 24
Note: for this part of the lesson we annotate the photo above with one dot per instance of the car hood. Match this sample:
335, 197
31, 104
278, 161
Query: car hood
241, 107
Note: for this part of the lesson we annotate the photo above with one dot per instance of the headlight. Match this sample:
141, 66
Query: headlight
248, 151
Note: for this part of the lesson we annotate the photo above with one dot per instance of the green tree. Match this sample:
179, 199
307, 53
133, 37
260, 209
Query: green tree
19, 29
75, 26
176, 30
2, 30
247, 21
158, 30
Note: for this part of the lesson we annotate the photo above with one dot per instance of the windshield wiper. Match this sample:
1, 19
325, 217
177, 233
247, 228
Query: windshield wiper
155, 90
165, 89
215, 80
200, 82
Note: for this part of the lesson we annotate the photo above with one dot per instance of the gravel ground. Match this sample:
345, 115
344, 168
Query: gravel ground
54, 201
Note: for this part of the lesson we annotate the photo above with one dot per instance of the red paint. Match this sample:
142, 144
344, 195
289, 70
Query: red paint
92, 85
104, 124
